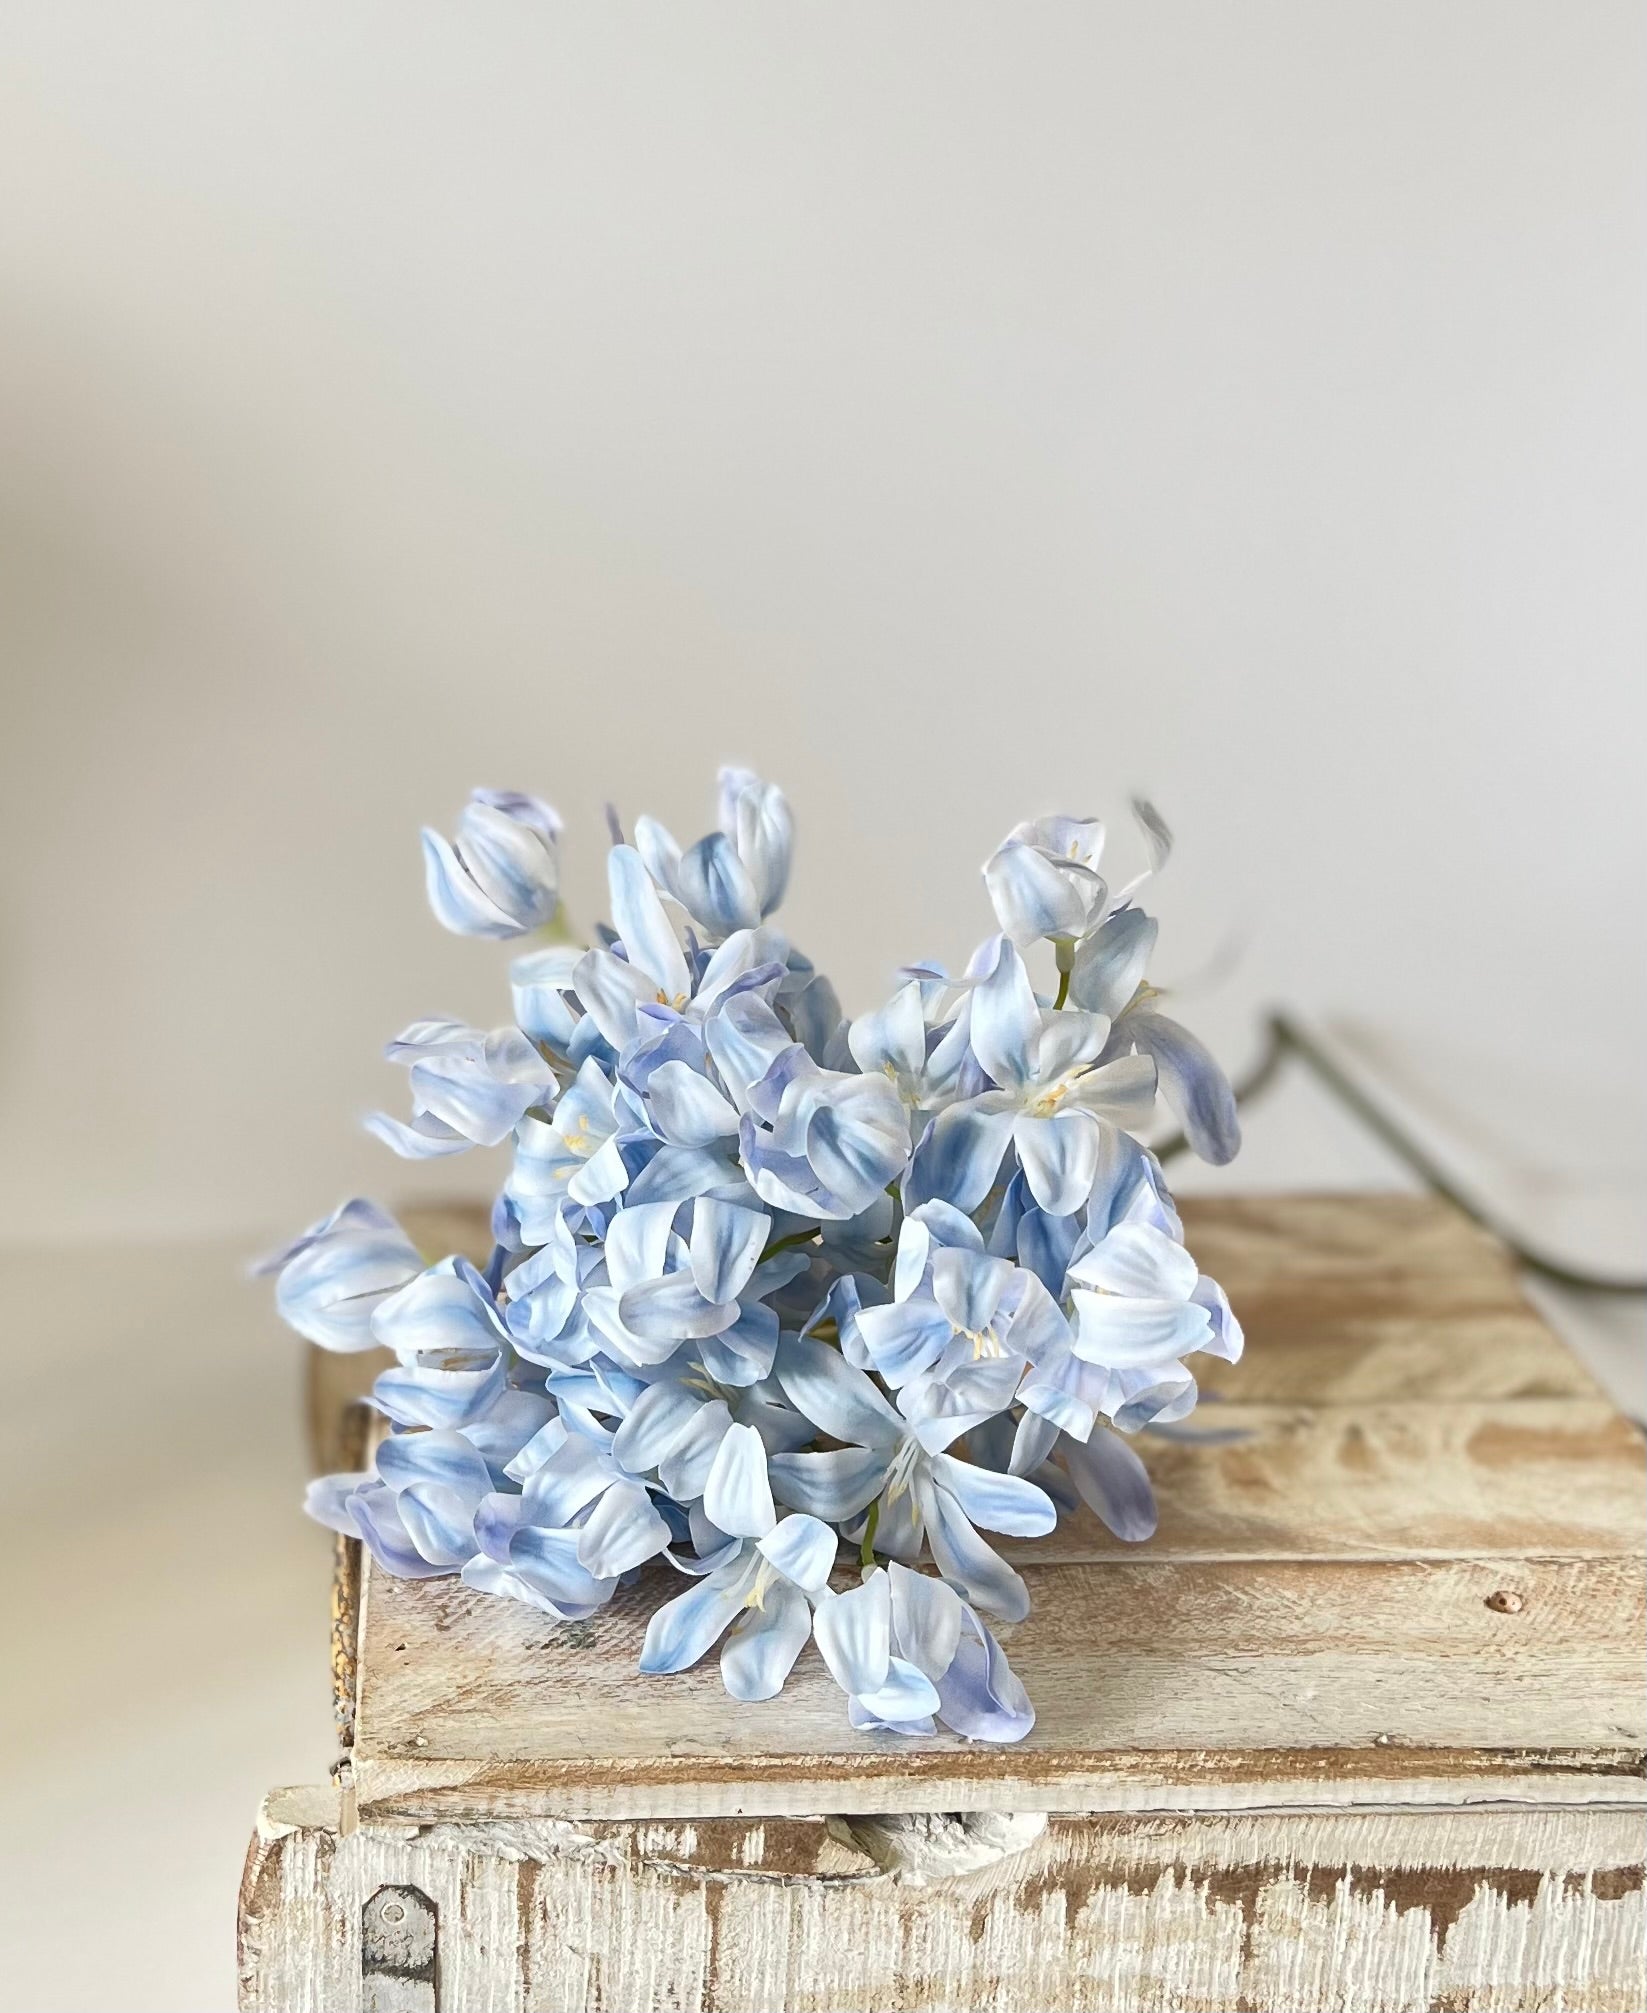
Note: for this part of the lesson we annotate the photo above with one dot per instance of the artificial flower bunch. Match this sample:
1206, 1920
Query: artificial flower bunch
767, 1282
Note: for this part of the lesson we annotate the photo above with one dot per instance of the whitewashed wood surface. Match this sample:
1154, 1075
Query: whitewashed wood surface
1350, 1912
1361, 1728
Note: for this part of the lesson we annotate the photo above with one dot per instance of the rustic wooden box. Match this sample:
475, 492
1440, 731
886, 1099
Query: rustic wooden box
1361, 1729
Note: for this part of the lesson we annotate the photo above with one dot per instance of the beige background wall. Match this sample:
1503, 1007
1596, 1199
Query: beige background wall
959, 411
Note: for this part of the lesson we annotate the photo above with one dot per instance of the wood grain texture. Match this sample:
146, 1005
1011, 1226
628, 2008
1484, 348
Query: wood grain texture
1563, 1478
1135, 1661
1350, 1913
1353, 1299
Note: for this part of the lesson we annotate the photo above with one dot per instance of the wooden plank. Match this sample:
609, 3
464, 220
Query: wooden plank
1360, 1298
1143, 1664
1398, 1239
1383, 1912
1557, 1477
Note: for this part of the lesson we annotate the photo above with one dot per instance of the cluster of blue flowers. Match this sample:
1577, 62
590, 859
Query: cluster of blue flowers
765, 1279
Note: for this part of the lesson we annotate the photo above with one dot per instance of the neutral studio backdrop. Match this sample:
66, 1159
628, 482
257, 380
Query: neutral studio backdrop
957, 412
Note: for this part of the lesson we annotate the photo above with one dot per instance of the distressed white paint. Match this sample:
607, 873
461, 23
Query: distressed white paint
1365, 1912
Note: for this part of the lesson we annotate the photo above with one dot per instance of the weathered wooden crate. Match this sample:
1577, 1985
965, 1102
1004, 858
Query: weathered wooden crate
1361, 1729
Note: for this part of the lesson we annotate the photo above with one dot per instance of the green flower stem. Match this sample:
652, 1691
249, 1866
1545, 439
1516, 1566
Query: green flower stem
1063, 949
792, 1242
866, 1551
560, 929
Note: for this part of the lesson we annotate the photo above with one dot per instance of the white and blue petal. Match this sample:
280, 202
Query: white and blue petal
441, 1459
376, 1512
765, 1641
622, 1531
335, 1276
645, 931
854, 1634
906, 1696
737, 1496
1127, 1334
1226, 1339
968, 1286
1194, 1085
1138, 1261
1038, 891
1122, 1091
685, 1107
979, 1696
1114, 1483
726, 1245
501, 878
1108, 967
684, 1467
832, 1484
926, 1619
449, 1306
802, 1548
671, 1310
893, 1038
658, 1419
756, 817
541, 983
905, 1338
840, 1400
446, 1389
714, 887
424, 1138
976, 1571
612, 992
959, 1155
1006, 1019
1006, 1503
690, 1625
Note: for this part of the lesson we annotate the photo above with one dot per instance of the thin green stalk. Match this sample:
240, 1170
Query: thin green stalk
792, 1242
866, 1551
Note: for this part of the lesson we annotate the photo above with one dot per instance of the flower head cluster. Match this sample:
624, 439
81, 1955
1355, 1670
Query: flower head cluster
766, 1283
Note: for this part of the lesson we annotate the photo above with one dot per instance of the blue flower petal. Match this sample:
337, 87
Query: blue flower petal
908, 1694
841, 1401
803, 1549
683, 1629
1114, 1482
854, 1634
959, 1155
761, 1650
737, 1496
1006, 1503
1194, 1085
834, 1484
979, 1695
1060, 1158
623, 1531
